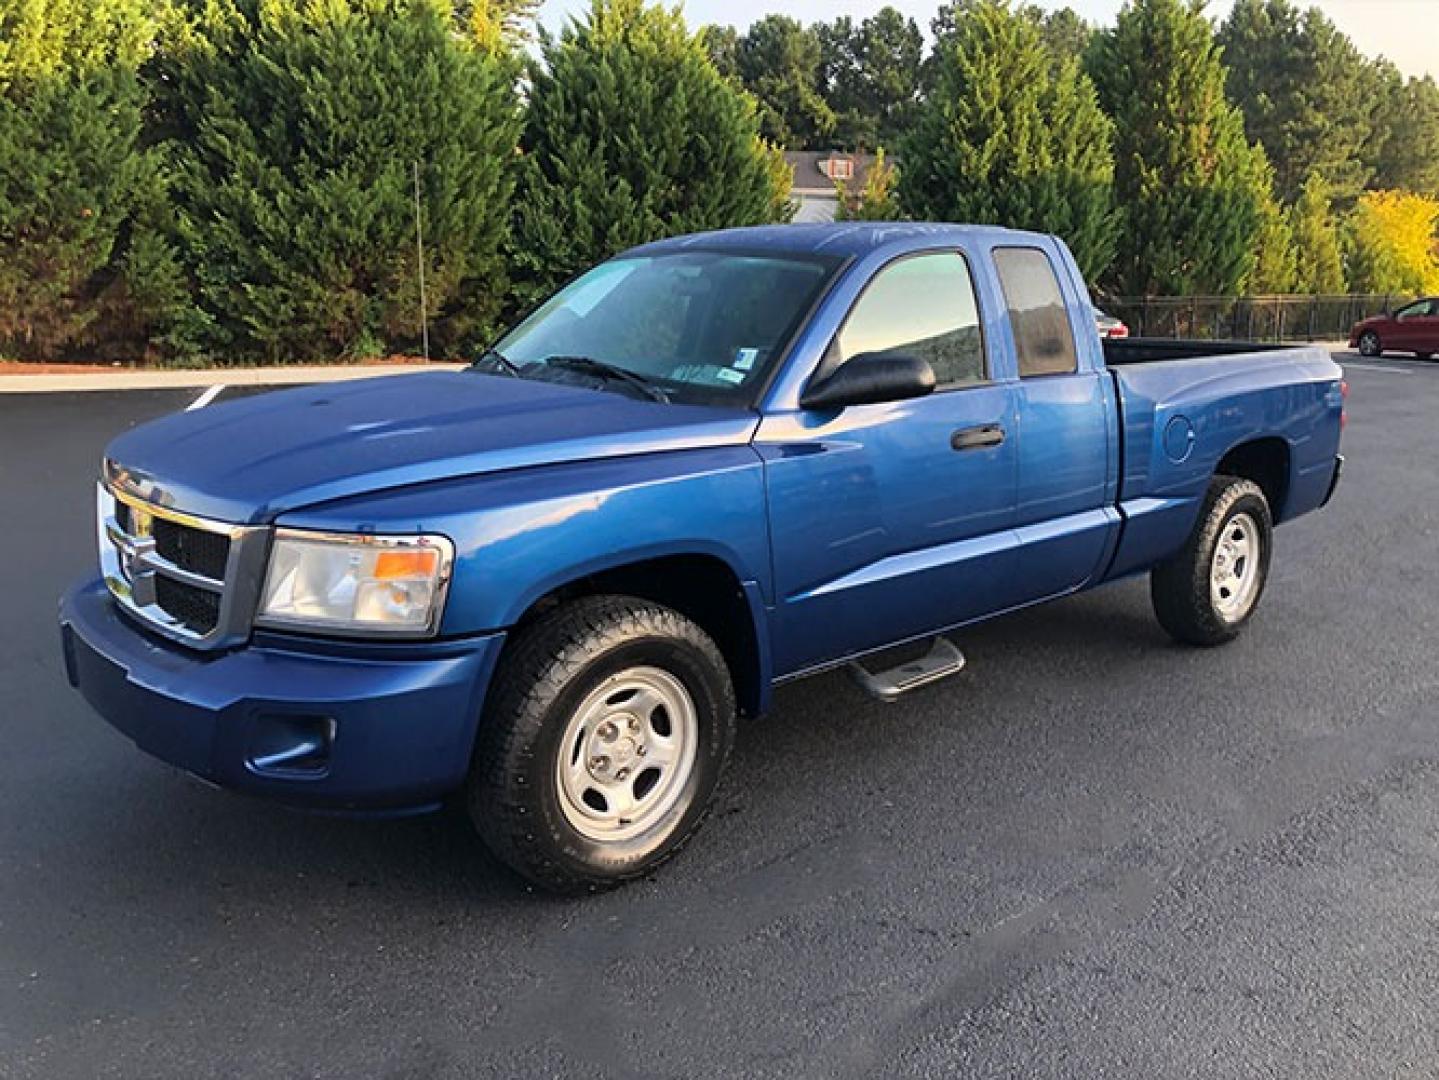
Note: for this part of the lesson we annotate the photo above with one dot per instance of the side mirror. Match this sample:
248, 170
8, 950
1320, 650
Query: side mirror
869, 379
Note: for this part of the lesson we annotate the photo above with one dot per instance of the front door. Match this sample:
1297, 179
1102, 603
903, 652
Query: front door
894, 520
1416, 327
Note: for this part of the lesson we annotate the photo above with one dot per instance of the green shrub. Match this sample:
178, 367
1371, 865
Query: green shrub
1194, 190
1011, 135
633, 135
1319, 265
296, 129
82, 264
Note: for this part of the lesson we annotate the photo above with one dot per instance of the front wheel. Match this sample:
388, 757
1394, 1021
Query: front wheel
1369, 344
609, 725
1207, 592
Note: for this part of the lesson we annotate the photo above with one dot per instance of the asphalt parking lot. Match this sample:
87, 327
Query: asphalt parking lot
1093, 853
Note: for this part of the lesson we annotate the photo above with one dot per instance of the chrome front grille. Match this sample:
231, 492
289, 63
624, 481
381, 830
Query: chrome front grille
200, 552
192, 579
196, 609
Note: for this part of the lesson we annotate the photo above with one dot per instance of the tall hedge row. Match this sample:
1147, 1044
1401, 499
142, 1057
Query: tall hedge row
299, 132
240, 180
272, 180
83, 253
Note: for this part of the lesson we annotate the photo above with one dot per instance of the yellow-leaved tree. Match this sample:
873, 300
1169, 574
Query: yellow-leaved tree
1394, 243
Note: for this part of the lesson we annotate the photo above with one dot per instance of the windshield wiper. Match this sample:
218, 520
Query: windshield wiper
500, 361
590, 366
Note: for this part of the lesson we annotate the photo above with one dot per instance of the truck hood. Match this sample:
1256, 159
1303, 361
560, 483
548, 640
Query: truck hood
249, 460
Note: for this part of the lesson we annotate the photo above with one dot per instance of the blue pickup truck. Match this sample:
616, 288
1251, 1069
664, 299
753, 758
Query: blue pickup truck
545, 586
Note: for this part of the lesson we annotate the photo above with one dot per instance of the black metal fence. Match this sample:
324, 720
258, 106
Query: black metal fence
1250, 318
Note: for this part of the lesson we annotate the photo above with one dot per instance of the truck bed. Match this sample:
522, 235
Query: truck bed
1119, 352
1186, 406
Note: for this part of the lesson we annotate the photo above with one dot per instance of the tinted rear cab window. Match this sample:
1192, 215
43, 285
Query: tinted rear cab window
1043, 338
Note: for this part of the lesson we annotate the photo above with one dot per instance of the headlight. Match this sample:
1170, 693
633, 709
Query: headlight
356, 583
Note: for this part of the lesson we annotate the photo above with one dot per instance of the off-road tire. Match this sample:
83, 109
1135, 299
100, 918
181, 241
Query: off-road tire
547, 669
1180, 586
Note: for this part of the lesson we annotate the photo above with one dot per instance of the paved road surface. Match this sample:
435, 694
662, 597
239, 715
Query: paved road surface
1093, 853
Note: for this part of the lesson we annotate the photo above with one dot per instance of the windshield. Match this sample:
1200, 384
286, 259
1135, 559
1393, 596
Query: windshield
703, 326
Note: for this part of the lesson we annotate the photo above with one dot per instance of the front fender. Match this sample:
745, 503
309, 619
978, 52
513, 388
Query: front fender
521, 534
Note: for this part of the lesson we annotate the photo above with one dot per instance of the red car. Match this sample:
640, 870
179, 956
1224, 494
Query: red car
1413, 328
1109, 326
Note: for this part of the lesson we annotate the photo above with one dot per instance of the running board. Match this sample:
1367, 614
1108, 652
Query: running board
943, 660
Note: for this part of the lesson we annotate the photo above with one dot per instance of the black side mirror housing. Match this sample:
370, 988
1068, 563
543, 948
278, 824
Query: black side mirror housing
870, 379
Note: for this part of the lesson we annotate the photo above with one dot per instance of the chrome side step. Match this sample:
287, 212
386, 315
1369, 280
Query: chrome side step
943, 660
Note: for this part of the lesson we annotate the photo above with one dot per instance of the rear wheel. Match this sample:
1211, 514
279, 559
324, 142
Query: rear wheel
609, 725
1207, 592
1369, 344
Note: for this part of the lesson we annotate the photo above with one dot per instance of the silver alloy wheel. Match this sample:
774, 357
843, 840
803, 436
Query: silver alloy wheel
1235, 571
1369, 344
627, 754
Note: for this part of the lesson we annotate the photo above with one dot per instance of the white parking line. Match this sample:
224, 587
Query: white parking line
1378, 369
210, 394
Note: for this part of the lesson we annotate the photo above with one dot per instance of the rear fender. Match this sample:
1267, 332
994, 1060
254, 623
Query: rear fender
1183, 419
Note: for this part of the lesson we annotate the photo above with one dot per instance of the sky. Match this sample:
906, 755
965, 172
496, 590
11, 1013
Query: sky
1406, 31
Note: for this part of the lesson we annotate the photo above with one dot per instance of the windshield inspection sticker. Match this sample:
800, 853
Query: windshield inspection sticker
744, 359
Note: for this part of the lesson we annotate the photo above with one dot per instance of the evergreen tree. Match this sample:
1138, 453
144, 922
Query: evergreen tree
1319, 268
779, 61
632, 135
1066, 33
1193, 187
722, 45
1010, 136
297, 129
870, 75
1275, 258
498, 25
82, 264
1300, 84
1404, 148
945, 23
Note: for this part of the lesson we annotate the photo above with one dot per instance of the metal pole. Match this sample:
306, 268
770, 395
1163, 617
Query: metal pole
420, 260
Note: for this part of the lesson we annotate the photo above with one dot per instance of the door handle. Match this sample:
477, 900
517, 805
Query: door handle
977, 438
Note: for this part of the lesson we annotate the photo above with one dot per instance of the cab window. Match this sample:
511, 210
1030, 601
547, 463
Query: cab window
920, 306
1043, 338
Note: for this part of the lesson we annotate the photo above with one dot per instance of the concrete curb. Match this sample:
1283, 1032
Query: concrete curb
189, 380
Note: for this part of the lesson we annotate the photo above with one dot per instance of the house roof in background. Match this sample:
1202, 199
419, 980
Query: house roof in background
810, 177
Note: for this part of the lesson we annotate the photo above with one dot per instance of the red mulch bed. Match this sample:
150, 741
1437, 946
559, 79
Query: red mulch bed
19, 367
